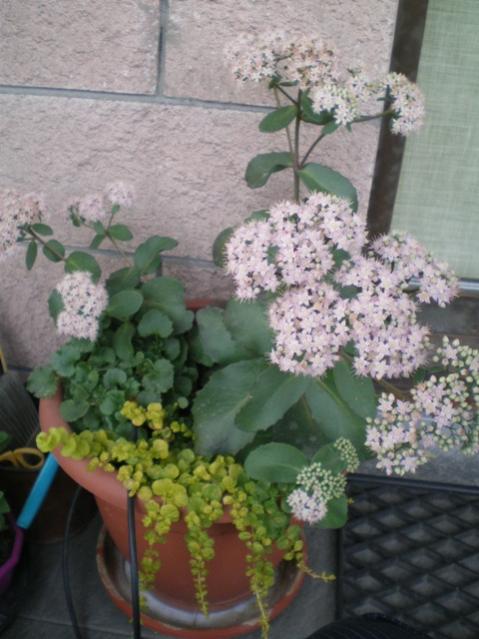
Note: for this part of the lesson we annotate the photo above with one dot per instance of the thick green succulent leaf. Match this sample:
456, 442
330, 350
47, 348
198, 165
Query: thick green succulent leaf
148, 255
273, 395
318, 177
275, 463
124, 278
337, 514
217, 404
248, 324
215, 340
334, 416
278, 119
81, 261
122, 341
120, 232
358, 392
261, 167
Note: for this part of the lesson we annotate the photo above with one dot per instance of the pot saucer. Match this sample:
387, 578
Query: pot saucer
239, 618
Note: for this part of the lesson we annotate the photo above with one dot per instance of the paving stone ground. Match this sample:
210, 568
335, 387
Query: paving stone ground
43, 613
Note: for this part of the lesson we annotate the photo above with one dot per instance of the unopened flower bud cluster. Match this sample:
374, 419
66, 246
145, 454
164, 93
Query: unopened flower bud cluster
316, 486
348, 454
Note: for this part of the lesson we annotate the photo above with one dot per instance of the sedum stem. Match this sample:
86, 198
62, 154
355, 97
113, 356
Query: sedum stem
296, 164
39, 238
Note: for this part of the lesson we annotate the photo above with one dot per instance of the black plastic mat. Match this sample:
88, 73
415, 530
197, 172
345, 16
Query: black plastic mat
411, 551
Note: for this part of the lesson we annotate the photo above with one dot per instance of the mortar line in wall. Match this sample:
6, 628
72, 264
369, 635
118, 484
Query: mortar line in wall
164, 21
140, 98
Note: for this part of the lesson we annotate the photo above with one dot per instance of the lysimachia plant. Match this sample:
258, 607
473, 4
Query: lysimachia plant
264, 404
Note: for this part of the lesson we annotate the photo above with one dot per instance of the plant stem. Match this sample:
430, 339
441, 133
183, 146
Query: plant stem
43, 243
286, 94
117, 246
296, 165
288, 132
311, 148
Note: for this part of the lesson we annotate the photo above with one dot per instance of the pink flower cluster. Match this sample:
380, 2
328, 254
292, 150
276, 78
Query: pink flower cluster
83, 304
407, 102
443, 412
96, 207
410, 260
313, 66
16, 210
344, 99
310, 328
305, 60
388, 339
294, 245
293, 253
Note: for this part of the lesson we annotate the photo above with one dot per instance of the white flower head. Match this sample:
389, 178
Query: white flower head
307, 507
305, 60
407, 101
83, 304
92, 208
120, 193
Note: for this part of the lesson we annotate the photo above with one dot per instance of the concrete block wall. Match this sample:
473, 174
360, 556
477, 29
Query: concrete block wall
97, 90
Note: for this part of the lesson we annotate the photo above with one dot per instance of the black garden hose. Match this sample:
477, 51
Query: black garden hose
134, 581
65, 567
135, 591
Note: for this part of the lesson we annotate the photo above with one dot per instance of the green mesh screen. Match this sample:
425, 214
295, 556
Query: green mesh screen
438, 195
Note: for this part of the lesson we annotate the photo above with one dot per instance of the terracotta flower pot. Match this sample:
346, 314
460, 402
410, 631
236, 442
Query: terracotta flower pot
227, 582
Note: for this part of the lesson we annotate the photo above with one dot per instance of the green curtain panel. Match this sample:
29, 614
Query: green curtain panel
438, 195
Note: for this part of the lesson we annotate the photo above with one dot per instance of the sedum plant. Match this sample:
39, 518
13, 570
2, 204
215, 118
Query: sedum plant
263, 405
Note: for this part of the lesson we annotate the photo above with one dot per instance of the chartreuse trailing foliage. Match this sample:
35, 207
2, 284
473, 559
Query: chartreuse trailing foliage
162, 468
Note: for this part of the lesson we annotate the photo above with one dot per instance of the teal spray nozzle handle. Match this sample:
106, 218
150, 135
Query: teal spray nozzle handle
38, 492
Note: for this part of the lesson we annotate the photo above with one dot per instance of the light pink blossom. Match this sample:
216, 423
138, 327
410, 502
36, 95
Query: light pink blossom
83, 304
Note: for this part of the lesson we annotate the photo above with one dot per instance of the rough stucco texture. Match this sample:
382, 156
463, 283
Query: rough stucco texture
187, 163
198, 31
107, 45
